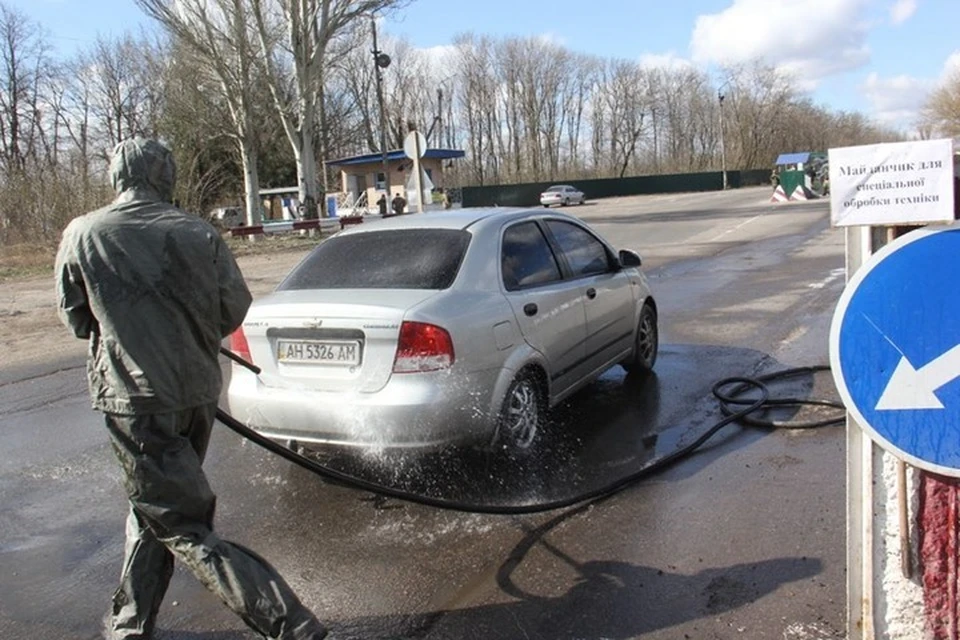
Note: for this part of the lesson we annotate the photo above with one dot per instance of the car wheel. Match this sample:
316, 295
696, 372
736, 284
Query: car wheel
647, 343
521, 415
565, 202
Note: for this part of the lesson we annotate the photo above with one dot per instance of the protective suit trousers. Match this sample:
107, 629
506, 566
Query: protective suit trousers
171, 516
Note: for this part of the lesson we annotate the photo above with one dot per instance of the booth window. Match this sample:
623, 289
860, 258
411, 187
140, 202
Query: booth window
381, 182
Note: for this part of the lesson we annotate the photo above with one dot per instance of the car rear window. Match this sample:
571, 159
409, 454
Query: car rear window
394, 259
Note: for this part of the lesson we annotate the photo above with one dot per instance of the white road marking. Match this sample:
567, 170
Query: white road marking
833, 275
744, 223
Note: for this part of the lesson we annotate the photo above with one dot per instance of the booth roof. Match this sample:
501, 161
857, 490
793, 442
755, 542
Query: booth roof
398, 154
792, 158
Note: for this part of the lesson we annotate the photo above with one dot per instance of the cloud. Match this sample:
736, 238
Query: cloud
896, 101
549, 37
439, 56
810, 39
951, 67
902, 10
668, 60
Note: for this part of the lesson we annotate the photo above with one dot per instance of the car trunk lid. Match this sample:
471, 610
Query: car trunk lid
331, 340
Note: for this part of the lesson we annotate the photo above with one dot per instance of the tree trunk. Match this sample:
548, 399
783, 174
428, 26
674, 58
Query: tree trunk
324, 150
251, 183
307, 176
307, 161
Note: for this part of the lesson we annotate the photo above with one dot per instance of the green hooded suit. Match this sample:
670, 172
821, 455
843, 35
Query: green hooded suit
154, 290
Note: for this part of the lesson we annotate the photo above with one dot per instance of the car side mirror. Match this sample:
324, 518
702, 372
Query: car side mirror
630, 258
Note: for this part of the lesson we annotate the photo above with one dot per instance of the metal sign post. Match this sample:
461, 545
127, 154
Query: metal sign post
890, 353
414, 146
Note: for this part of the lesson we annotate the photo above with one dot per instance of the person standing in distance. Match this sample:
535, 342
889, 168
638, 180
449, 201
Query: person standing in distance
154, 290
399, 203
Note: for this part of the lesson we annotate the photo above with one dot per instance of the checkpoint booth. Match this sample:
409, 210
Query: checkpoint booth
363, 180
805, 171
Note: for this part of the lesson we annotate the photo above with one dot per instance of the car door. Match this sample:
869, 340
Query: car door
549, 310
607, 292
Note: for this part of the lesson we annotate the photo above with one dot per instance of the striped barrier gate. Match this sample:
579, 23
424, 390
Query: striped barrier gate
285, 226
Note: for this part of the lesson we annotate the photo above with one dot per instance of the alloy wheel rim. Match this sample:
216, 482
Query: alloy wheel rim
522, 415
646, 340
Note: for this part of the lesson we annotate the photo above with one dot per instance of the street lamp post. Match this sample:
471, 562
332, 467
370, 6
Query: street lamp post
381, 61
723, 150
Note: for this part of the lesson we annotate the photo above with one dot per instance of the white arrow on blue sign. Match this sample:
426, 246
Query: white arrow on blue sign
895, 348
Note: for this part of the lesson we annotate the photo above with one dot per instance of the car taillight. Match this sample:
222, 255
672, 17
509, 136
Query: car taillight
422, 347
238, 344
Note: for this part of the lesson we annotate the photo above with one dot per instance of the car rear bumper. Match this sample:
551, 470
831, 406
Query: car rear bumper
418, 410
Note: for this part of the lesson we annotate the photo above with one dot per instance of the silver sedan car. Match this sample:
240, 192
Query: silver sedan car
448, 327
562, 194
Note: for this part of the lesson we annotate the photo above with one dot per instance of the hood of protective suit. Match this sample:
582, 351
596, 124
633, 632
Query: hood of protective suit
144, 169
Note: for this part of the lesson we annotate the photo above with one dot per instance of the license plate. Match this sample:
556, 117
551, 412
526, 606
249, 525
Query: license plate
345, 352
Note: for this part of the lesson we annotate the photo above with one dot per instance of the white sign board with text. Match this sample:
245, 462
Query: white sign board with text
892, 183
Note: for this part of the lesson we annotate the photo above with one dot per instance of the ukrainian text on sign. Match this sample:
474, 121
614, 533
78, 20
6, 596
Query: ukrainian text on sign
894, 183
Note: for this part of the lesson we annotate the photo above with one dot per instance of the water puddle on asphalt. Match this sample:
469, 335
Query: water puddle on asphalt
611, 430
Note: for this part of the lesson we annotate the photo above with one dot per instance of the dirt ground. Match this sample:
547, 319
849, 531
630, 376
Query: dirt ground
30, 330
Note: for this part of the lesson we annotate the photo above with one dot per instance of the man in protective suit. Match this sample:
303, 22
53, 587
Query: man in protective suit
154, 291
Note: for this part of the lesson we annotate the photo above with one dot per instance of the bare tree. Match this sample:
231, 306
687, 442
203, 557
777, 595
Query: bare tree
941, 112
296, 71
523, 108
623, 92
219, 33
408, 92
23, 63
477, 103
195, 120
354, 74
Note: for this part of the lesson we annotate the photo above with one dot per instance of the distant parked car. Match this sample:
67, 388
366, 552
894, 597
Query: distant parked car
457, 327
562, 194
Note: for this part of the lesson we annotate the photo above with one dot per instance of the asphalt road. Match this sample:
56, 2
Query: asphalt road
744, 539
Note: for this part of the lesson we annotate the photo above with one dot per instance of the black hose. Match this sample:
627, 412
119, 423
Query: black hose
730, 397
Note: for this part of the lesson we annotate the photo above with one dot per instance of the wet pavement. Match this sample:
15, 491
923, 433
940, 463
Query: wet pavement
648, 417
744, 539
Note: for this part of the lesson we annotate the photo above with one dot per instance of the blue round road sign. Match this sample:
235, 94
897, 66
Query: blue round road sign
895, 348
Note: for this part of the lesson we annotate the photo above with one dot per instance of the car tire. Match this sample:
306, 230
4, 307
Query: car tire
564, 202
647, 343
522, 414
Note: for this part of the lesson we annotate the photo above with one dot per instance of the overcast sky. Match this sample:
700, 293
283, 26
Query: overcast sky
879, 57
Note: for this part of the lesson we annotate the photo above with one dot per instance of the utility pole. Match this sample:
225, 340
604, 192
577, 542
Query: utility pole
723, 151
656, 153
381, 61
